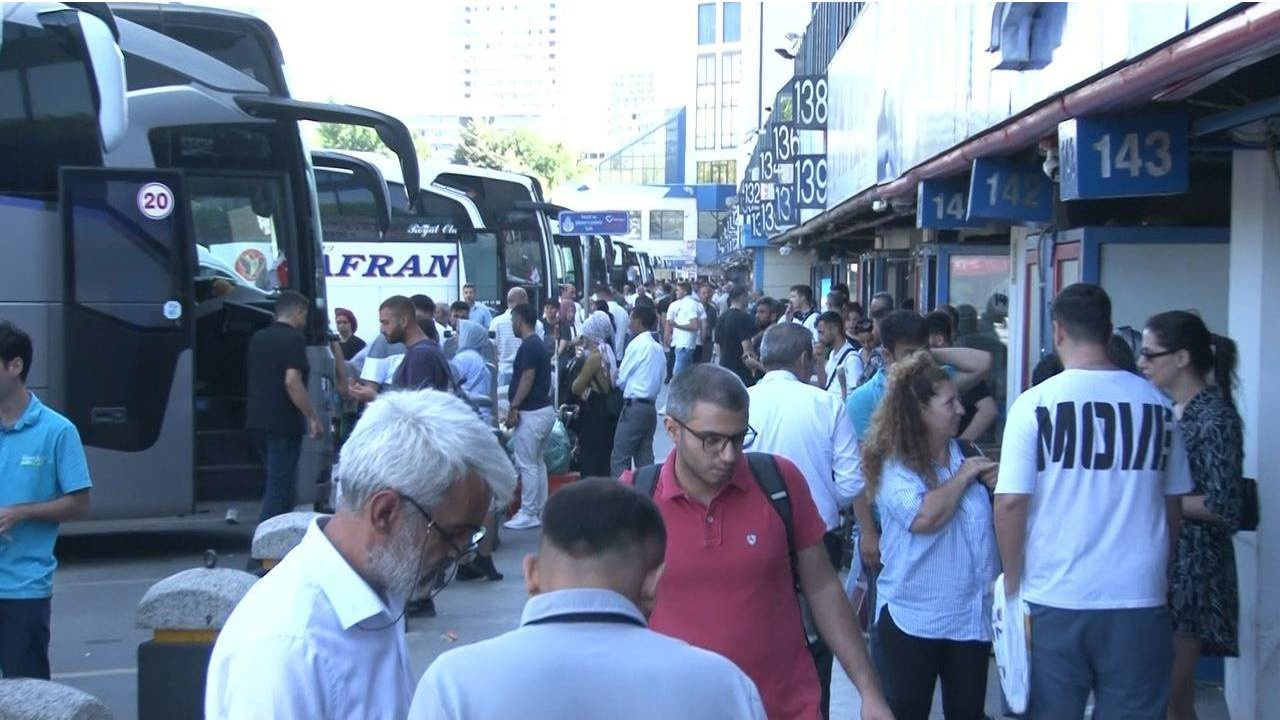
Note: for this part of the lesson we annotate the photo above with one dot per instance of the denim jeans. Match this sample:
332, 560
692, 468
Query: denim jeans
684, 358
279, 453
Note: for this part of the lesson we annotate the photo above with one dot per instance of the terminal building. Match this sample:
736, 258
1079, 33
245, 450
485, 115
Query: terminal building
986, 155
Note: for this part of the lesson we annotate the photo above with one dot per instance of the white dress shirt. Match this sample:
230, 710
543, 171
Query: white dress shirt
807, 425
584, 653
644, 368
310, 640
621, 318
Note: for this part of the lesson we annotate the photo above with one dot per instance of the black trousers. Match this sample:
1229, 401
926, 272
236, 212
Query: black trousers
823, 659
909, 668
24, 638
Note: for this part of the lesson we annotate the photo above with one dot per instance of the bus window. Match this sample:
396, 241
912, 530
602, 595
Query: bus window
478, 254
243, 221
47, 117
522, 258
347, 207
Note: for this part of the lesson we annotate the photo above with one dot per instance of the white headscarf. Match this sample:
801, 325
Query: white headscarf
598, 328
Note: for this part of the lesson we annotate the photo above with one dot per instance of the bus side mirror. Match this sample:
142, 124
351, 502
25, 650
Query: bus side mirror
97, 45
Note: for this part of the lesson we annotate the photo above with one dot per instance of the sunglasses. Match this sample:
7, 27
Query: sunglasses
1150, 355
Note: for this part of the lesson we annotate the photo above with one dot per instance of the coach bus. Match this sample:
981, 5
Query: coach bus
153, 249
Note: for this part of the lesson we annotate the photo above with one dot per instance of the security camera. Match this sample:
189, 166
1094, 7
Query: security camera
784, 250
1050, 165
879, 206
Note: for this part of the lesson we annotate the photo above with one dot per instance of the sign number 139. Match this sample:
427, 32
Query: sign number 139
1129, 156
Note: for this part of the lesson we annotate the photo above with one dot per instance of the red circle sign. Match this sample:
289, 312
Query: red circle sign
251, 264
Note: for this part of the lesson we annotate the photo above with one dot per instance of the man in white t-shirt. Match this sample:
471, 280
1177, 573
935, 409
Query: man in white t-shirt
839, 364
1087, 509
800, 310
684, 326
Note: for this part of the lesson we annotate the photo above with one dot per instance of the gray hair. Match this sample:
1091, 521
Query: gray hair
783, 345
705, 383
419, 444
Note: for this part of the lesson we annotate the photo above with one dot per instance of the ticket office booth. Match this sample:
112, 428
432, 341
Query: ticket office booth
888, 271
962, 275
1145, 270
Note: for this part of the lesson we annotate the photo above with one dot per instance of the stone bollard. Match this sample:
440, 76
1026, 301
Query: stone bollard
185, 612
26, 699
276, 536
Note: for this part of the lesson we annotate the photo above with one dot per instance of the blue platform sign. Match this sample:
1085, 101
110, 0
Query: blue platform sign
613, 222
944, 204
1123, 156
1011, 190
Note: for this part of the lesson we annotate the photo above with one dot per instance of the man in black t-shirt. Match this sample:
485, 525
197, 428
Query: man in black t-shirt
424, 366
532, 416
733, 333
980, 409
277, 406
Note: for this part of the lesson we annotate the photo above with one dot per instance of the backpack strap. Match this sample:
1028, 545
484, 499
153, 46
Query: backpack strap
646, 479
768, 476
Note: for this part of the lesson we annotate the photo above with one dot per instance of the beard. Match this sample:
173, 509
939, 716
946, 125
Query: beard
395, 566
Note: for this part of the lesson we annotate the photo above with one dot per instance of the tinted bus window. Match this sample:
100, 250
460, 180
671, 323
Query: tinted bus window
347, 208
47, 118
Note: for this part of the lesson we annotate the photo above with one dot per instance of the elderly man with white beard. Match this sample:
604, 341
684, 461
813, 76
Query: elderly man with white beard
322, 635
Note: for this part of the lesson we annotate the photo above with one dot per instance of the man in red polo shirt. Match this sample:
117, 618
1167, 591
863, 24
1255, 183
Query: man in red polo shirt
728, 585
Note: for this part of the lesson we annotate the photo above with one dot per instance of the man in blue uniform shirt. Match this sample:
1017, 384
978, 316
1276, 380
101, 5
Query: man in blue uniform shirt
44, 480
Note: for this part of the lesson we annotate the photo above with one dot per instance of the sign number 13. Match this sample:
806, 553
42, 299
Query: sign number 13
1129, 156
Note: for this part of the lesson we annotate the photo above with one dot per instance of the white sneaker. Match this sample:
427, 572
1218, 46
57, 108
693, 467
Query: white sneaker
233, 516
522, 521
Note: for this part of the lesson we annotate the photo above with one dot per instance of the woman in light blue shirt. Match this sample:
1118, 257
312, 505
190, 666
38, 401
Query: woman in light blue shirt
469, 366
933, 604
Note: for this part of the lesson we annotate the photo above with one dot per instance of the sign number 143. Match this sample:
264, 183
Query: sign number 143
1128, 157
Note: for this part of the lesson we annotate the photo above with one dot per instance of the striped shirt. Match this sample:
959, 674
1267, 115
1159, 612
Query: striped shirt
937, 585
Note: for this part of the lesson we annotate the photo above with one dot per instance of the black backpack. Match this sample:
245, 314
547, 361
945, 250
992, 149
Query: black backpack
764, 468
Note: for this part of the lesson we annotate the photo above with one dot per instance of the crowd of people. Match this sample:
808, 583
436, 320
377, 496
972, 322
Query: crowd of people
804, 441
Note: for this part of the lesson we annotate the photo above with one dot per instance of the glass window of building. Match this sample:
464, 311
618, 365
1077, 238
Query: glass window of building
704, 117
730, 89
666, 224
732, 21
717, 172
706, 23
633, 229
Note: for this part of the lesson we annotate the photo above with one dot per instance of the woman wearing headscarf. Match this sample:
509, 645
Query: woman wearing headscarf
345, 320
592, 388
469, 364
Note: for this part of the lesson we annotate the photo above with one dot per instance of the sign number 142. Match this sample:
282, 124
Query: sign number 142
1128, 157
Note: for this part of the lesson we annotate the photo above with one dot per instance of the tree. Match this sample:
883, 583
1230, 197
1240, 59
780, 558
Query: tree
518, 150
335, 136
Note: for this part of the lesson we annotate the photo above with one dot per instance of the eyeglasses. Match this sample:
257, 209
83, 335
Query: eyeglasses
441, 576
715, 443
1148, 355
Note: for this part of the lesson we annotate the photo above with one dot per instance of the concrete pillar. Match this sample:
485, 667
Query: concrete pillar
1251, 687
26, 699
783, 271
275, 537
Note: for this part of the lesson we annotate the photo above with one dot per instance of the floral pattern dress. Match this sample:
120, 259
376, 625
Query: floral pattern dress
1202, 591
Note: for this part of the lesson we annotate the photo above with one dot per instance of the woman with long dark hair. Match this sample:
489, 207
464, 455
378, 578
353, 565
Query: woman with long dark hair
938, 546
1196, 369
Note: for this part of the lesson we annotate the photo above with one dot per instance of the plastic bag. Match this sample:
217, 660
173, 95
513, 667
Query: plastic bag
556, 454
1011, 636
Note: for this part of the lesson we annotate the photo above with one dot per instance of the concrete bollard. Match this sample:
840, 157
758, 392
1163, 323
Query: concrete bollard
26, 699
276, 536
185, 612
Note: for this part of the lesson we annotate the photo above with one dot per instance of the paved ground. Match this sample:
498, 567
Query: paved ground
103, 576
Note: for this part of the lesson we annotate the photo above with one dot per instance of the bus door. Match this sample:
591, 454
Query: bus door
129, 334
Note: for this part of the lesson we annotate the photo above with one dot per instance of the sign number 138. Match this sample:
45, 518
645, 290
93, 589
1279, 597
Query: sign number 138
1129, 156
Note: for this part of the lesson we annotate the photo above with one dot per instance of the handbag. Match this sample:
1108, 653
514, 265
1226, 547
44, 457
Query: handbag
1249, 512
613, 402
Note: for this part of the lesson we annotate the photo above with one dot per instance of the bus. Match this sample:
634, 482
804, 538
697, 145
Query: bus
152, 255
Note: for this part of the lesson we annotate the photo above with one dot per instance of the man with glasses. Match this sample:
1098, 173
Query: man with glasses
583, 649
732, 568
322, 635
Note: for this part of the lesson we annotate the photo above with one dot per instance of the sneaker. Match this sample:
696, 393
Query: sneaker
522, 521
425, 607
482, 568
233, 516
